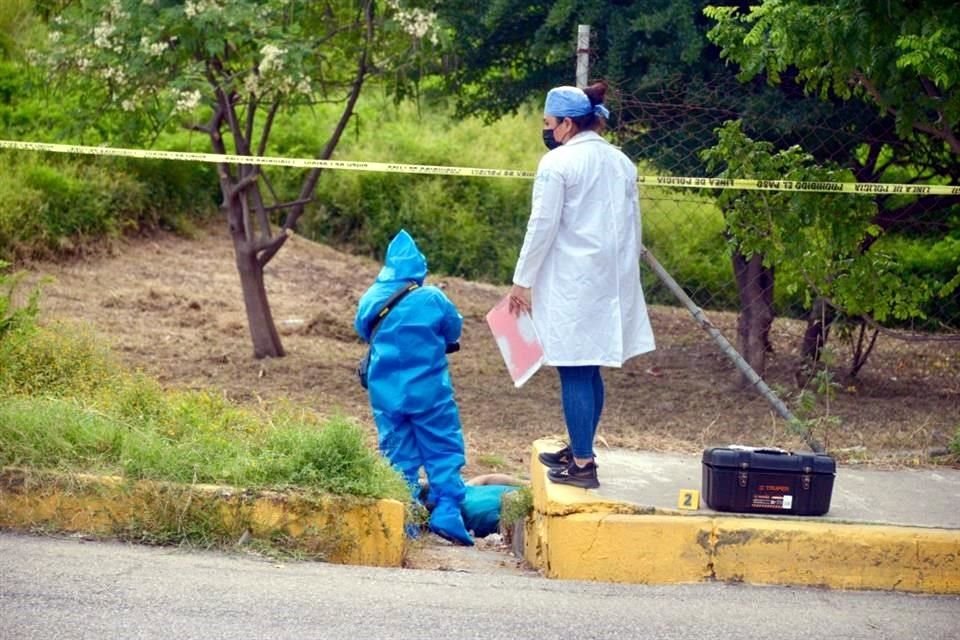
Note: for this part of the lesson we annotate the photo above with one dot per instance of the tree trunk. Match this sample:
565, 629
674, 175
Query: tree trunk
860, 354
818, 330
755, 286
263, 331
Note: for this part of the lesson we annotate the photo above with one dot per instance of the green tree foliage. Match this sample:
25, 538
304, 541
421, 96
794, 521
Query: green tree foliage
816, 241
671, 89
904, 59
904, 56
815, 235
17, 25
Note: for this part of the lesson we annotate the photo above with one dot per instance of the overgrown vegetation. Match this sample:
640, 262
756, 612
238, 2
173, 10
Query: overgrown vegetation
57, 206
66, 404
469, 227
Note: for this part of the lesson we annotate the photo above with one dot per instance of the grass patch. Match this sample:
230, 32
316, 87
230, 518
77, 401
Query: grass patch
493, 461
58, 360
196, 438
66, 404
517, 507
288, 524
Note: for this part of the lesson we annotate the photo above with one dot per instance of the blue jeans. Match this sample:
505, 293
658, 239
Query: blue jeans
581, 390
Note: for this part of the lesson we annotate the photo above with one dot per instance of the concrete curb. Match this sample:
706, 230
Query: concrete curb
575, 534
341, 530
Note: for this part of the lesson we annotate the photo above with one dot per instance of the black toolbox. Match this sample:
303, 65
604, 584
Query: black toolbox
772, 481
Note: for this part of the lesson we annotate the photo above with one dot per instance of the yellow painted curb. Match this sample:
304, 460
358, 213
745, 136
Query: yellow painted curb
575, 534
838, 555
342, 530
614, 547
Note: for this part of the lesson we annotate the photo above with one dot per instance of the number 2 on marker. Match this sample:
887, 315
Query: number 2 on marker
688, 499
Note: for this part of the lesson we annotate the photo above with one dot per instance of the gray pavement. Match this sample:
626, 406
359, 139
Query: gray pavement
926, 497
52, 589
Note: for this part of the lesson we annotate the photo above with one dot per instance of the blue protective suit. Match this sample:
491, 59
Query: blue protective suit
418, 423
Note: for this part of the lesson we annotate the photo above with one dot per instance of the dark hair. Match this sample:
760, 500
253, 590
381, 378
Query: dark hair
596, 92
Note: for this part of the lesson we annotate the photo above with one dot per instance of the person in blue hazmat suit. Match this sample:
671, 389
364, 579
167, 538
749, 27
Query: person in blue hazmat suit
411, 394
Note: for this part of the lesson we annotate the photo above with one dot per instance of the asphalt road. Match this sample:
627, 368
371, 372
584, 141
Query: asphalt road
54, 588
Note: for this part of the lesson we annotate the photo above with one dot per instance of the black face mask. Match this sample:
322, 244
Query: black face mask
549, 140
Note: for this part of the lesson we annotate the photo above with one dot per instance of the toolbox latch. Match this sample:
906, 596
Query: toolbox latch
742, 478
806, 478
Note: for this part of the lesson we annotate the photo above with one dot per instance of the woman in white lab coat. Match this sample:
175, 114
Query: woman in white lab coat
579, 268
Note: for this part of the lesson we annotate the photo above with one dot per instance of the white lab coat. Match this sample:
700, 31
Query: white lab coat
581, 256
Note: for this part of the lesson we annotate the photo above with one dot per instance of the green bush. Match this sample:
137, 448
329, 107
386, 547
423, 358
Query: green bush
471, 227
54, 204
931, 263
182, 194
61, 360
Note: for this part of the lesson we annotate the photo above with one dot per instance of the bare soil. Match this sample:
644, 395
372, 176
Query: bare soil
172, 307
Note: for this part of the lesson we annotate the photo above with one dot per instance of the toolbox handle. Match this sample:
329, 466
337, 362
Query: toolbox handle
773, 450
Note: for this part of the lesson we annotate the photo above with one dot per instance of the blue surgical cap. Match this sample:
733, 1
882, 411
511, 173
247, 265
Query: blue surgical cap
571, 102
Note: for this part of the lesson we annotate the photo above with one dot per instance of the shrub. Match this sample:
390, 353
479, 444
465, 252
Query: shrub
54, 205
932, 264
60, 360
471, 227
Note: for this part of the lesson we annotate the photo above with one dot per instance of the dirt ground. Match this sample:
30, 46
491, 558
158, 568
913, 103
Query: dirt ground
172, 307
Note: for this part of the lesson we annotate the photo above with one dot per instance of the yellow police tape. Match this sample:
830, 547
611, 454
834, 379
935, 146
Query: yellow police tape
861, 188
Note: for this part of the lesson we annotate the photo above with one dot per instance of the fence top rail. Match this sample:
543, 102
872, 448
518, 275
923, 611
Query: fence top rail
674, 182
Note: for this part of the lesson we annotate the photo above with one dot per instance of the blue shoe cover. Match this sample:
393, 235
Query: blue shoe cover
446, 522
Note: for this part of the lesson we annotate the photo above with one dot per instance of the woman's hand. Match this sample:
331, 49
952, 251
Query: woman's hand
519, 300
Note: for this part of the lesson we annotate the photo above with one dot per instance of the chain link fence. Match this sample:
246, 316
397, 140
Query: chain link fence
851, 270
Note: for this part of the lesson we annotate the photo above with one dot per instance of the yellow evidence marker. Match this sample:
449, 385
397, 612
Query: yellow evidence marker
688, 499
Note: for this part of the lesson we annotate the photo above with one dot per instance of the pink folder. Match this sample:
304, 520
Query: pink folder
518, 342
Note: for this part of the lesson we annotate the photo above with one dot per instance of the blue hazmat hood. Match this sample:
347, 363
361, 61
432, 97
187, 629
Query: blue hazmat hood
403, 260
